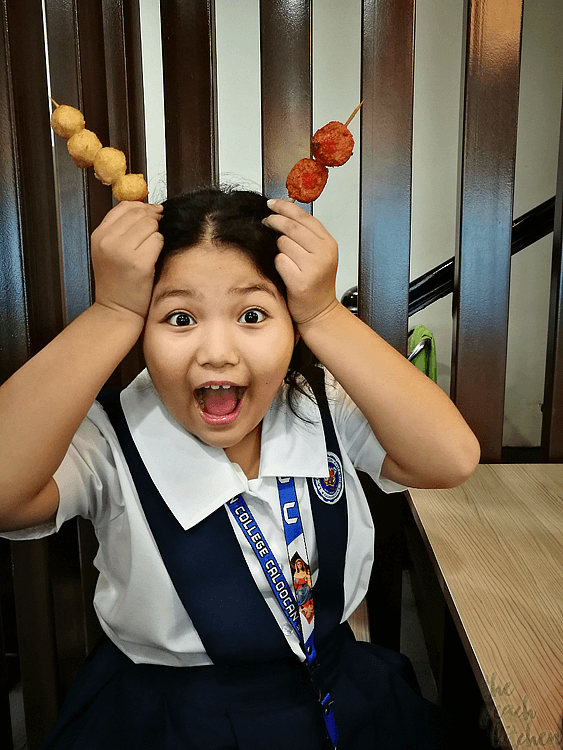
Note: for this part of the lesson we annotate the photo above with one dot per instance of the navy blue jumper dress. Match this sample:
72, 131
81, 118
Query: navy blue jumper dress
257, 694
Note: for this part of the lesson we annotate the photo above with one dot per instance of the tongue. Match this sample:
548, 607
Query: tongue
219, 402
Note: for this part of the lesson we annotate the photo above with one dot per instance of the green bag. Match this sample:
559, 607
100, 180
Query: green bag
422, 348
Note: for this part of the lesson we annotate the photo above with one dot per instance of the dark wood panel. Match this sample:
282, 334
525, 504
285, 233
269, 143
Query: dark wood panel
36, 183
14, 329
385, 211
36, 638
386, 159
190, 106
124, 79
552, 427
486, 187
93, 81
71, 182
286, 81
126, 112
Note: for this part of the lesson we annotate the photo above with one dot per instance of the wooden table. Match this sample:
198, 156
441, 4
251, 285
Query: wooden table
496, 545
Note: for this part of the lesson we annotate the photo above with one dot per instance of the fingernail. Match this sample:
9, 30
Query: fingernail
270, 202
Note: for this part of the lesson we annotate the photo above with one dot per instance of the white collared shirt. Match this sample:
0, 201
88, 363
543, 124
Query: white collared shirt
135, 600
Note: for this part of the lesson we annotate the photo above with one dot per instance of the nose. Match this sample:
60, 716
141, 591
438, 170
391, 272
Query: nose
217, 347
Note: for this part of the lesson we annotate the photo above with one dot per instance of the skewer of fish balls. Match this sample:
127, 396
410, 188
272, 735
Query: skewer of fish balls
86, 150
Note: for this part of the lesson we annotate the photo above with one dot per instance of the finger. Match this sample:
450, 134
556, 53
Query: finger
128, 220
296, 213
130, 209
150, 249
301, 235
139, 232
293, 250
286, 267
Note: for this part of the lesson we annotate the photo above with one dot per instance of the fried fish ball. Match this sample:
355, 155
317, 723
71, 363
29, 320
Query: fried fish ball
306, 180
66, 121
130, 187
332, 144
109, 165
83, 147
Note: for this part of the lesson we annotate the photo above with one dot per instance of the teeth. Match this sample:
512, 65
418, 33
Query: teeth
214, 387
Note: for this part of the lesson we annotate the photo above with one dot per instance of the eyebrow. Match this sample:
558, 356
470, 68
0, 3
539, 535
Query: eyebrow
238, 291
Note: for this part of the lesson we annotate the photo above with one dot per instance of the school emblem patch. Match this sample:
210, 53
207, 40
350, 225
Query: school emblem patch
330, 489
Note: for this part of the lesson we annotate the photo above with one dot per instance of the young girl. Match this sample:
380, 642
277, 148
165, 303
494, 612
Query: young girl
230, 456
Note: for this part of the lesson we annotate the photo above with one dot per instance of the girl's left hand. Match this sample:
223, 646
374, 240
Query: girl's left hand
307, 261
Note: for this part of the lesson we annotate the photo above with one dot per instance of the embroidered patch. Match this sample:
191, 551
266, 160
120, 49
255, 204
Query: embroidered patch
330, 489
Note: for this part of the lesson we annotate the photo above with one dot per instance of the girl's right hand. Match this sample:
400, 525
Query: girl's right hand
124, 250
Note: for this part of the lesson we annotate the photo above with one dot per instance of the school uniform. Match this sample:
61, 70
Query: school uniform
199, 652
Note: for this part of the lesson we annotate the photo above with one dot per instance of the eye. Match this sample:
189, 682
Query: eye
252, 316
180, 319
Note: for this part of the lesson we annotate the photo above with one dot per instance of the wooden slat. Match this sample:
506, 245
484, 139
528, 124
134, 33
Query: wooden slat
487, 159
91, 45
124, 78
552, 426
386, 159
36, 638
36, 243
66, 88
286, 80
126, 112
5, 717
385, 213
14, 329
188, 56
37, 201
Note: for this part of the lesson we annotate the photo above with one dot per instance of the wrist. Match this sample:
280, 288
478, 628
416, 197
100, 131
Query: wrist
322, 318
120, 316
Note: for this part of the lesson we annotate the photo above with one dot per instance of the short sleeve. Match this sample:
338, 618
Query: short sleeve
86, 478
359, 441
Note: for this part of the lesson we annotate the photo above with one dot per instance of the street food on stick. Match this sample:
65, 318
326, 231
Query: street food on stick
130, 187
83, 147
66, 121
333, 144
109, 165
306, 180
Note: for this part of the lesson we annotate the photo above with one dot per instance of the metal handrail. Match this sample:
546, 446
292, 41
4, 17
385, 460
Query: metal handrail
439, 281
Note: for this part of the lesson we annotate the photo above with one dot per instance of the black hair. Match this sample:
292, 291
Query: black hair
230, 217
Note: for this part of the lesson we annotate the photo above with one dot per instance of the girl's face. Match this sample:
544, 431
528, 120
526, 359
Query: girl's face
218, 342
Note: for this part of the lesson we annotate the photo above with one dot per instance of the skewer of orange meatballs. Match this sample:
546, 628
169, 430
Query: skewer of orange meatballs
331, 146
110, 165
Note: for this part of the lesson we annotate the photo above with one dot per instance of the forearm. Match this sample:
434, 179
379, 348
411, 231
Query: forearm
44, 402
426, 439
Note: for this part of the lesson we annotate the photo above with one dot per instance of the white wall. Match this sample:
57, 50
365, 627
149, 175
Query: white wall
336, 91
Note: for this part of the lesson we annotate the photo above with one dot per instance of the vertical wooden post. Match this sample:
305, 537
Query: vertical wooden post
486, 188
286, 78
386, 161
190, 102
385, 219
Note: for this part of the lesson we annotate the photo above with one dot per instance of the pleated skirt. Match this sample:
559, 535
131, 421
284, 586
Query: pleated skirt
115, 704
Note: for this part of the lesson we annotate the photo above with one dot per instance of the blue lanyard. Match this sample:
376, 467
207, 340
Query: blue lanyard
266, 558
293, 528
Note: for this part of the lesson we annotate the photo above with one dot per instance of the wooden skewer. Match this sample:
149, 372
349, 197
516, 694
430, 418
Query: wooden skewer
54, 102
354, 113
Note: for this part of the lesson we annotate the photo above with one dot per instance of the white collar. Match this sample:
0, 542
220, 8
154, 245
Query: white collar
194, 478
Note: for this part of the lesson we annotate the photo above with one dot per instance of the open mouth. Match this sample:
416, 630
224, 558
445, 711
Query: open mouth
220, 403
